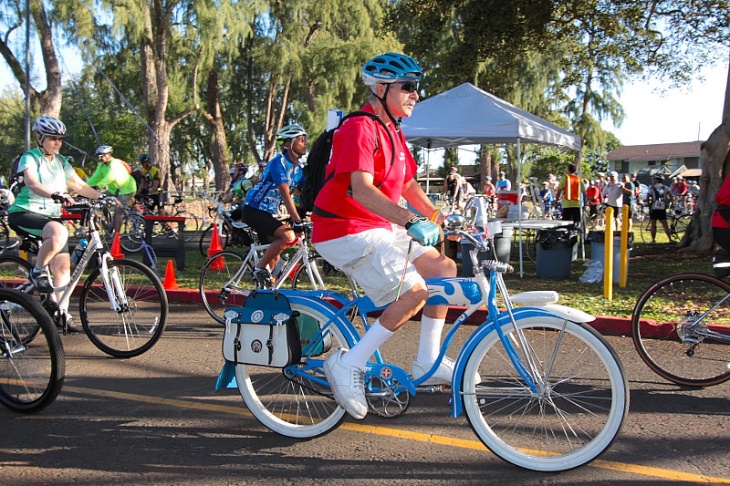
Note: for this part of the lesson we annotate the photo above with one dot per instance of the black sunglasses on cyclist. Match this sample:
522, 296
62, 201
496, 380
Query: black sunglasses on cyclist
408, 86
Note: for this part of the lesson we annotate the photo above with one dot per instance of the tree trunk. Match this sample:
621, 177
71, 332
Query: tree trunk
715, 163
214, 117
47, 102
51, 98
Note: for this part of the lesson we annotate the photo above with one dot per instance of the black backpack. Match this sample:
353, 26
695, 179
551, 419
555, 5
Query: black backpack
319, 157
16, 180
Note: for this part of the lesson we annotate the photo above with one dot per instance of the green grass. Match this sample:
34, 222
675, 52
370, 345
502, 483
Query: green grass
648, 264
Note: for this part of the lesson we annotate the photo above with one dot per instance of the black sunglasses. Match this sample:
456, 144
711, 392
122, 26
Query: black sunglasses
408, 86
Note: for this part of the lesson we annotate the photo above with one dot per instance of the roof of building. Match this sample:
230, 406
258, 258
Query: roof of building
661, 151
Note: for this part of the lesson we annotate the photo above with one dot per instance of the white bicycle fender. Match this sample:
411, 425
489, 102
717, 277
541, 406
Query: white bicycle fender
568, 313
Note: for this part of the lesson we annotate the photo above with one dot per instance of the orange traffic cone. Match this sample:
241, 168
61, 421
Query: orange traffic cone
215, 247
215, 243
117, 247
170, 283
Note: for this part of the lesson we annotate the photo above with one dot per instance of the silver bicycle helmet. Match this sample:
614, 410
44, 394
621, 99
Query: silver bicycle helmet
103, 150
47, 125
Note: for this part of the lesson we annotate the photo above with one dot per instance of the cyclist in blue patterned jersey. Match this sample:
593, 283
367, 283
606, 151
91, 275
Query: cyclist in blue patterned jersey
279, 182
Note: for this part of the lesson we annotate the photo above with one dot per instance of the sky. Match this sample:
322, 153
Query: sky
679, 115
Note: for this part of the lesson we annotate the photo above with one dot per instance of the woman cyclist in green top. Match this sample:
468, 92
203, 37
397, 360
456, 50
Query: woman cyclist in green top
36, 211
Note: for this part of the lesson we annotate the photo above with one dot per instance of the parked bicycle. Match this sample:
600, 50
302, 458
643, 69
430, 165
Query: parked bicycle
230, 232
227, 277
32, 361
541, 389
681, 329
122, 304
133, 226
677, 223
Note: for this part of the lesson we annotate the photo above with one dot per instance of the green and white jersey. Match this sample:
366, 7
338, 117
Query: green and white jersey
53, 174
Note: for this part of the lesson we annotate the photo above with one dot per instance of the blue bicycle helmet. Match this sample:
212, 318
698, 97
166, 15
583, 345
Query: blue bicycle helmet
389, 68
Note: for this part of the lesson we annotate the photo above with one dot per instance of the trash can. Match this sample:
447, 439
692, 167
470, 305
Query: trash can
598, 251
467, 269
502, 247
555, 248
503, 244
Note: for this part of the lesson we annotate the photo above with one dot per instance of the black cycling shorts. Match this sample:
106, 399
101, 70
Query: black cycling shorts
28, 223
264, 223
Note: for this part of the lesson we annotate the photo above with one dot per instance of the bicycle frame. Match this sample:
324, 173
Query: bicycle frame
302, 254
109, 277
455, 291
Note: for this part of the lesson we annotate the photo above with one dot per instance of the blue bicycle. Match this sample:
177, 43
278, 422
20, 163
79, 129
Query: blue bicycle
541, 389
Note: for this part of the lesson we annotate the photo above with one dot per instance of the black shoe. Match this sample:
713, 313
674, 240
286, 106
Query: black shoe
41, 280
262, 276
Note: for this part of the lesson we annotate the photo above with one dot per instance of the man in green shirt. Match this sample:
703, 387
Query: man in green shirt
112, 174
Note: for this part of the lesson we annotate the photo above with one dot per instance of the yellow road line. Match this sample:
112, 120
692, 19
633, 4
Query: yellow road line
398, 433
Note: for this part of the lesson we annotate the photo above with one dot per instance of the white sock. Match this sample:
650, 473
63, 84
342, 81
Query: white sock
360, 353
429, 343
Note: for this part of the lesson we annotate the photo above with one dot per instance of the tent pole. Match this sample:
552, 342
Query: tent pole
428, 166
519, 201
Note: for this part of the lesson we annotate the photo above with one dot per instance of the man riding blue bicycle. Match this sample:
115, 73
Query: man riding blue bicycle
359, 228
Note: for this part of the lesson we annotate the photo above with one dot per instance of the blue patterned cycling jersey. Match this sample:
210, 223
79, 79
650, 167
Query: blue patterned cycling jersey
265, 195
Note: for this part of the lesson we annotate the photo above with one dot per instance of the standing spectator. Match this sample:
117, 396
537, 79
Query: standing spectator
593, 200
281, 178
613, 196
553, 182
115, 176
694, 188
360, 228
601, 181
488, 189
452, 187
629, 197
659, 196
491, 192
546, 195
570, 192
503, 184
680, 192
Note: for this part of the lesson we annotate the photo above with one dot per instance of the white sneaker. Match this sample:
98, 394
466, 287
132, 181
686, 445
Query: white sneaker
442, 376
347, 385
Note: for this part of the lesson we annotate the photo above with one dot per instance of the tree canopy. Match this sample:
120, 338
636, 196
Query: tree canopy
202, 83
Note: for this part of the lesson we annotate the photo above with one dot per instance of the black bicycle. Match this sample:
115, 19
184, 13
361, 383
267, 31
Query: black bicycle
32, 361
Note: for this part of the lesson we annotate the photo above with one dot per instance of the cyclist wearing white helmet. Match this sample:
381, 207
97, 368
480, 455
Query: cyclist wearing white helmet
36, 212
359, 227
279, 182
115, 176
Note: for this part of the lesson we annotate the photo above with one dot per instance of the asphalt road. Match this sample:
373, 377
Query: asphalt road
156, 419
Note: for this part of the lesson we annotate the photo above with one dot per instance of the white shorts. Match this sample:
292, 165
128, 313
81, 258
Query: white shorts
375, 259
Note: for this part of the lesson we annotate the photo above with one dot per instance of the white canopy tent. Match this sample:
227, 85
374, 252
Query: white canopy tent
467, 115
